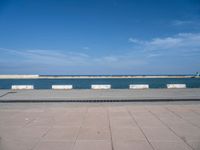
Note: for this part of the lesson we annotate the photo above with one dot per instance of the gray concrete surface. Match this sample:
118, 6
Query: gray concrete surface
4, 92
100, 126
89, 95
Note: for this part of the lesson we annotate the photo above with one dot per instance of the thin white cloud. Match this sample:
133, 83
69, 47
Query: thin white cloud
52, 57
86, 48
182, 22
153, 55
136, 41
182, 42
62, 58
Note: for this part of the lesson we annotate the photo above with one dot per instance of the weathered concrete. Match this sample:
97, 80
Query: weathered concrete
62, 87
3, 92
105, 126
138, 86
100, 86
22, 87
176, 86
102, 95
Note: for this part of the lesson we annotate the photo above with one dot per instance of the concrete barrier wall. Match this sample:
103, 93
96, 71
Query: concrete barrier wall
97, 86
62, 87
22, 87
138, 86
101, 86
174, 86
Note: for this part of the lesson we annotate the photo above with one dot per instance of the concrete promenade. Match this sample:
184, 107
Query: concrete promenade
98, 95
100, 126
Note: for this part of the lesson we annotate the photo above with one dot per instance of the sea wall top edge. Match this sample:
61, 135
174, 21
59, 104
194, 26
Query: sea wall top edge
18, 76
91, 76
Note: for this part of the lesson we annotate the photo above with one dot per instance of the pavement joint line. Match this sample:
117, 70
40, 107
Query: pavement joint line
36, 144
133, 118
43, 135
182, 118
111, 136
40, 139
172, 130
79, 130
10, 92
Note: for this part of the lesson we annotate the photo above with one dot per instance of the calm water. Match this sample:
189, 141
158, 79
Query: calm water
86, 83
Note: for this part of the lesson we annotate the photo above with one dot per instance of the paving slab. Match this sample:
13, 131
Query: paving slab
119, 114
61, 134
170, 146
92, 145
173, 121
160, 134
96, 122
132, 145
67, 121
42, 121
20, 144
187, 131
54, 145
122, 122
149, 122
124, 134
94, 133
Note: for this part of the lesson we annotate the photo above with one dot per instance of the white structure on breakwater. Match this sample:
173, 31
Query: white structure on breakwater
176, 86
62, 87
22, 87
100, 86
138, 86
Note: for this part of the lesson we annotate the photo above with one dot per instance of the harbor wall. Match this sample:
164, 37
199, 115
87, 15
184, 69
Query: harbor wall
19, 76
91, 77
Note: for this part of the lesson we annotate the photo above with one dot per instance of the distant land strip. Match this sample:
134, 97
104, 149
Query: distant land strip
92, 76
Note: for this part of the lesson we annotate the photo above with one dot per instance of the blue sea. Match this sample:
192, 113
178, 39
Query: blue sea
116, 83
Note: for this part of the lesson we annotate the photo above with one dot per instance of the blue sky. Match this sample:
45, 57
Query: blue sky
99, 37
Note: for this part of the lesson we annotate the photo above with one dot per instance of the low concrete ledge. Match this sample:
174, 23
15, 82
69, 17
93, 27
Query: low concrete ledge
62, 87
176, 86
22, 87
111, 95
100, 86
138, 86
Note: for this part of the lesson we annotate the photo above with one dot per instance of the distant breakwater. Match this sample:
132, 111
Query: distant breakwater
92, 76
